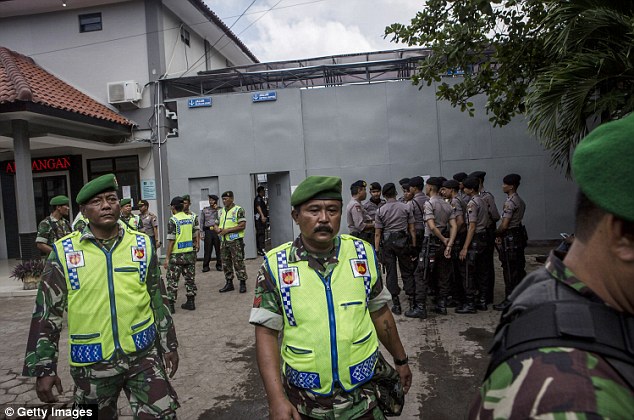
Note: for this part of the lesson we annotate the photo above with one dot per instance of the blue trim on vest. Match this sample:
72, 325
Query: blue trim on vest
140, 241
363, 372
145, 338
72, 272
305, 380
86, 353
282, 262
186, 244
361, 254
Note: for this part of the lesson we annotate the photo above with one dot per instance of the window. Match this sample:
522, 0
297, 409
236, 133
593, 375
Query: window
90, 22
185, 36
125, 168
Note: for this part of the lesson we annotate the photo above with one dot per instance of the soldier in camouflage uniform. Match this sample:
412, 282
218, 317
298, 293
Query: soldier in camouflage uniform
180, 258
79, 223
73, 279
315, 256
230, 227
563, 348
55, 226
131, 220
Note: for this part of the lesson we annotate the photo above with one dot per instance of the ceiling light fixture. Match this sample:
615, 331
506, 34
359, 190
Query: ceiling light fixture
63, 4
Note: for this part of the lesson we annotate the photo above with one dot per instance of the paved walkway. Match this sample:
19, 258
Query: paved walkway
218, 377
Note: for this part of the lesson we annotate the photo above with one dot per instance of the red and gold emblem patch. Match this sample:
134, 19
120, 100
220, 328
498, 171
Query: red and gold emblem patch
75, 259
289, 277
138, 254
359, 268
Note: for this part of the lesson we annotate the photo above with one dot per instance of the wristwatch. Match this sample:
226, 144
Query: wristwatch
401, 362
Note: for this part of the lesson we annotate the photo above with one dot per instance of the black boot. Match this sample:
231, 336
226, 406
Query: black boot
243, 287
228, 287
205, 269
417, 311
452, 303
481, 304
170, 304
502, 305
396, 306
441, 306
468, 307
190, 304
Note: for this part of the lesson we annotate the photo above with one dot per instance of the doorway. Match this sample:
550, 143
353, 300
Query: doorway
46, 187
278, 186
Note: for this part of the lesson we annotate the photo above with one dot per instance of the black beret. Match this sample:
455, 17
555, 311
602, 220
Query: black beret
478, 174
214, 196
389, 188
317, 187
176, 201
107, 182
227, 194
375, 186
451, 183
472, 183
442, 178
417, 182
512, 179
460, 176
435, 181
360, 183
404, 181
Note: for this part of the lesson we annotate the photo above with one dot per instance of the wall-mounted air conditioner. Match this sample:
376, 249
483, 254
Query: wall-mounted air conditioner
124, 92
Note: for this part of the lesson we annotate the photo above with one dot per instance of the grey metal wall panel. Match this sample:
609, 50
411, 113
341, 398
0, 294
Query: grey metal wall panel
378, 132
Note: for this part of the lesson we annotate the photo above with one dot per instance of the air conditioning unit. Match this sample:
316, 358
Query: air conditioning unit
124, 92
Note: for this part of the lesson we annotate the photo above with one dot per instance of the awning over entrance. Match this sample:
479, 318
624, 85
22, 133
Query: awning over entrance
38, 109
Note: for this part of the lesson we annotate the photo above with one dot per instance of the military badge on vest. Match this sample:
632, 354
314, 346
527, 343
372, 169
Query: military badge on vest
289, 277
359, 268
138, 254
75, 259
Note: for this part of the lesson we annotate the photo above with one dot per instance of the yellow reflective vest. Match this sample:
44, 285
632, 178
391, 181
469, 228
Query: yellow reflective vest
229, 219
184, 233
108, 303
328, 334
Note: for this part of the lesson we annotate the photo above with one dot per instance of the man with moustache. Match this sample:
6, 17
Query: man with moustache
563, 348
323, 293
121, 335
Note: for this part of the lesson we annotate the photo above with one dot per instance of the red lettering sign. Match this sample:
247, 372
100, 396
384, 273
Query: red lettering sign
43, 165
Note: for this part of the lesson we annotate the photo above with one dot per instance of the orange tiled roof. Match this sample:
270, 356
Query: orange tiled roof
23, 80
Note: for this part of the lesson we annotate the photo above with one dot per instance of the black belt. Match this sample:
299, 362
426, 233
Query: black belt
208, 228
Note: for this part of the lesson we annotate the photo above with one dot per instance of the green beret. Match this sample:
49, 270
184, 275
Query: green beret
603, 163
59, 200
106, 182
125, 201
185, 197
317, 188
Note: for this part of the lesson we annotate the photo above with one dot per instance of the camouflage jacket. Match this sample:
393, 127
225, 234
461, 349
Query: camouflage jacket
46, 324
50, 229
554, 382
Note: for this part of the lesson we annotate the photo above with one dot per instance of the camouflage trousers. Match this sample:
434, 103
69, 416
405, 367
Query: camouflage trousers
360, 403
232, 255
174, 271
143, 379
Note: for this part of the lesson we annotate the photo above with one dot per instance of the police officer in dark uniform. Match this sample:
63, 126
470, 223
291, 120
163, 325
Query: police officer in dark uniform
208, 217
511, 238
494, 216
435, 257
464, 198
406, 197
450, 190
373, 204
473, 253
359, 224
393, 222
416, 186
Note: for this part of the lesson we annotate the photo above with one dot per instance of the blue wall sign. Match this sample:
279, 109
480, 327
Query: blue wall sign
265, 96
199, 102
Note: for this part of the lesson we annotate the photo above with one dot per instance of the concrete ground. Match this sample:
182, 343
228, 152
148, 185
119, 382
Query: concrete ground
218, 376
